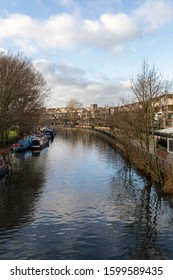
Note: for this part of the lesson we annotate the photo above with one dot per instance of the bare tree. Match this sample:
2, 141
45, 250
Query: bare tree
72, 115
123, 123
134, 124
148, 88
22, 92
74, 104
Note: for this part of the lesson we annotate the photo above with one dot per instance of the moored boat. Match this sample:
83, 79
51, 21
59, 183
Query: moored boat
49, 132
39, 142
3, 166
22, 145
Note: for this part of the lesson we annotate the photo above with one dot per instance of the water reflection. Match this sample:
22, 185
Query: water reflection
137, 205
79, 199
21, 190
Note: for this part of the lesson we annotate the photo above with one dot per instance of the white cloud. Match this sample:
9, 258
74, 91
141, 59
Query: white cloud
62, 74
109, 31
66, 31
26, 46
60, 31
15, 25
155, 13
119, 25
126, 84
68, 81
102, 76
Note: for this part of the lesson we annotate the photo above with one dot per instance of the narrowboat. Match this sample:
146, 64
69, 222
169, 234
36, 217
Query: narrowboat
22, 145
39, 142
49, 132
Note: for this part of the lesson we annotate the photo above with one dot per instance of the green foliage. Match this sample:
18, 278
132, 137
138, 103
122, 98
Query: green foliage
9, 137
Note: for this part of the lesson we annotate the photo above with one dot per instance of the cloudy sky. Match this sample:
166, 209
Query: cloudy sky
89, 49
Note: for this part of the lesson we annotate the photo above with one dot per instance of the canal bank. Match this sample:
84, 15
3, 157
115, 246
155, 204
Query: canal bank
165, 186
5, 150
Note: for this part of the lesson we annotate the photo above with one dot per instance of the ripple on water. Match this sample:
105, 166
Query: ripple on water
79, 199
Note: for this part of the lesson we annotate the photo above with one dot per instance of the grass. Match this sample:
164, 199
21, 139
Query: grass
12, 134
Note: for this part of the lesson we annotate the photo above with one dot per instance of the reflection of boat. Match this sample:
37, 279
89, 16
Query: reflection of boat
22, 145
39, 142
3, 166
23, 155
36, 153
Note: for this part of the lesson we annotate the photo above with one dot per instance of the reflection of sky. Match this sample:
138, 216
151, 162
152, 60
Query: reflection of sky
84, 195
82, 176
85, 164
92, 205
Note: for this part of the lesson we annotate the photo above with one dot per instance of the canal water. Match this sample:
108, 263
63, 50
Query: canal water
79, 199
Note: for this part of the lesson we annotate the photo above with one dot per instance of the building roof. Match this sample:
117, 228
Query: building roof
165, 132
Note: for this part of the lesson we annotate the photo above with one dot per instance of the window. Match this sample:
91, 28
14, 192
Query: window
170, 146
168, 123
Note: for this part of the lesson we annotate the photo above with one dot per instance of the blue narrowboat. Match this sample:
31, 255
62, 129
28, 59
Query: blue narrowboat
22, 145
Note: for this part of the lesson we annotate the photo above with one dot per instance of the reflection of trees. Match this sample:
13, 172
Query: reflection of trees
147, 222
20, 192
74, 137
133, 206
145, 204
86, 139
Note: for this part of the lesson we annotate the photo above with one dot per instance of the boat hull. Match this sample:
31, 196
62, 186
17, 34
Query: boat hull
22, 145
39, 145
20, 149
